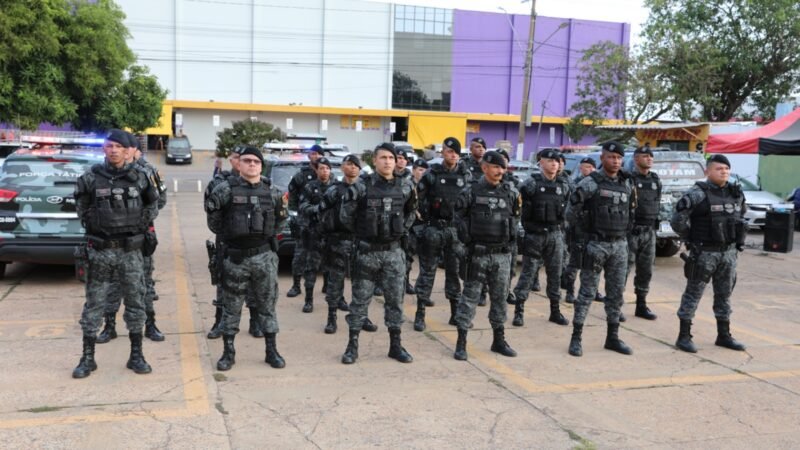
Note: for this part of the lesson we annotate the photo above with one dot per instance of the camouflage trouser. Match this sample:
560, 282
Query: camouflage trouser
434, 241
546, 247
257, 276
492, 270
389, 266
642, 255
719, 267
104, 266
115, 299
337, 259
299, 258
313, 244
611, 257
572, 267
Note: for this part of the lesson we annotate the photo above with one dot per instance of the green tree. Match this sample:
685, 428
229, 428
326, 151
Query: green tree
246, 132
134, 104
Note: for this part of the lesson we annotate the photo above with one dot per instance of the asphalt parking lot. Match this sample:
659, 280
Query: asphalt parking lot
657, 398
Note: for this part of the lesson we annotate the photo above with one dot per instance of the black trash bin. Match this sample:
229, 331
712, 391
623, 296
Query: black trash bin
779, 231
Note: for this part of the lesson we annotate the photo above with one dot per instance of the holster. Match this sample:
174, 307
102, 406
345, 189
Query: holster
150, 242
213, 262
81, 262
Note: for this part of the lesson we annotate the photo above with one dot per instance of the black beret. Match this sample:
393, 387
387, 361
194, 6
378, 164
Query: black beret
452, 143
588, 160
353, 159
561, 157
388, 146
324, 161
419, 162
118, 136
503, 153
237, 150
548, 153
644, 150
718, 158
494, 157
614, 147
403, 153
479, 140
252, 151
316, 148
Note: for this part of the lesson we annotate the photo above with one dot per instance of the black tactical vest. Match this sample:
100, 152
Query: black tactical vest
648, 198
118, 202
609, 208
318, 189
250, 218
490, 216
379, 217
445, 189
330, 221
546, 206
718, 219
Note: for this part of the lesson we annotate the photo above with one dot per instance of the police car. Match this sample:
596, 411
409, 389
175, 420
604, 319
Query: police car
38, 220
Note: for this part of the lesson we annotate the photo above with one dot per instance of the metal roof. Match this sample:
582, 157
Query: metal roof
654, 126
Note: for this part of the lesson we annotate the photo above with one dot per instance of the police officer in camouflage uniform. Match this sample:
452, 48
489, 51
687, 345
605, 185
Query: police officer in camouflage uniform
477, 147
116, 202
605, 201
642, 240
486, 214
544, 201
379, 209
709, 218
338, 250
403, 171
296, 185
313, 238
575, 239
438, 191
247, 213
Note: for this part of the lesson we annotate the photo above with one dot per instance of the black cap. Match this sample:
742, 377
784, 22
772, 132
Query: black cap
419, 162
588, 160
453, 143
118, 136
403, 153
614, 147
480, 140
718, 158
237, 150
324, 161
494, 157
562, 158
252, 151
353, 159
317, 148
644, 150
388, 146
133, 141
503, 153
548, 153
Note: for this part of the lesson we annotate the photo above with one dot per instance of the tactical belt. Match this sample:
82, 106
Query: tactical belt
597, 237
489, 249
128, 244
713, 247
365, 247
440, 223
239, 253
541, 228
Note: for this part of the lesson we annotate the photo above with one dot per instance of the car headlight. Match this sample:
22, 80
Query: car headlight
169, 155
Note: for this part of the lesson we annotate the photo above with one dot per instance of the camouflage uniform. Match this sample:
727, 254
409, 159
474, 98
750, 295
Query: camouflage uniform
296, 186
605, 204
438, 191
247, 216
379, 212
313, 239
115, 207
642, 240
710, 219
487, 218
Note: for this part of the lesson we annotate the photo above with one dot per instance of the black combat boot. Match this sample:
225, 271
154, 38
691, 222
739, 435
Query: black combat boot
342, 305
428, 302
613, 341
482, 297
570, 298
273, 358
575, 348
330, 327
409, 288
109, 330
419, 317
136, 361
461, 345
684, 341
228, 358
396, 350
151, 331
453, 307
536, 286
216, 330
519, 312
724, 338
511, 299
325, 283
641, 307
255, 328
622, 317
87, 365
309, 304
351, 352
378, 291
598, 297
555, 314
499, 344
294, 291
368, 326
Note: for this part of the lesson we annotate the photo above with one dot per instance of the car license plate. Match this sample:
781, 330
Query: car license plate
178, 159
666, 227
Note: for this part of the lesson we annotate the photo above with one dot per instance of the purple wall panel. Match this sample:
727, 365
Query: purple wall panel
491, 132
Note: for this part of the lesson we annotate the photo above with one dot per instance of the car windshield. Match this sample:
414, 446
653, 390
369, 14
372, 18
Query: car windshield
179, 144
42, 172
683, 170
282, 175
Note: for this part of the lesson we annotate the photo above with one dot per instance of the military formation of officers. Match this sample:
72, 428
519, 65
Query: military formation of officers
462, 213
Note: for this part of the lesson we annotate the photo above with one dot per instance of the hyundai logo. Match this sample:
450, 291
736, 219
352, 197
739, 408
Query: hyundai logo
54, 199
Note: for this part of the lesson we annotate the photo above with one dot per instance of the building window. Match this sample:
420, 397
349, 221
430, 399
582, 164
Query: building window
421, 19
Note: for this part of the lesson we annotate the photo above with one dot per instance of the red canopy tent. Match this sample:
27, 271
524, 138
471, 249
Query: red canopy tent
776, 138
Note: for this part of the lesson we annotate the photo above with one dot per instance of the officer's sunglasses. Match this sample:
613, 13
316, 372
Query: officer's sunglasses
249, 161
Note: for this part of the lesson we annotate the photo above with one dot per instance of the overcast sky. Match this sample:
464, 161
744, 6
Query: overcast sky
629, 11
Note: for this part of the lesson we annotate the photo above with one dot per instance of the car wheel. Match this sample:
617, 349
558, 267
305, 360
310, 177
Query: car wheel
667, 247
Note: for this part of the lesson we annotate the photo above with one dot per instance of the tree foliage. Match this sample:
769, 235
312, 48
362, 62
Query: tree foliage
135, 103
246, 132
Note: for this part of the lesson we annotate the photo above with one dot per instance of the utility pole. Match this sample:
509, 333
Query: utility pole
524, 117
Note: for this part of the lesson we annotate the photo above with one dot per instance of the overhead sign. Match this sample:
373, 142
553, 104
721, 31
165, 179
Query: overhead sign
289, 123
